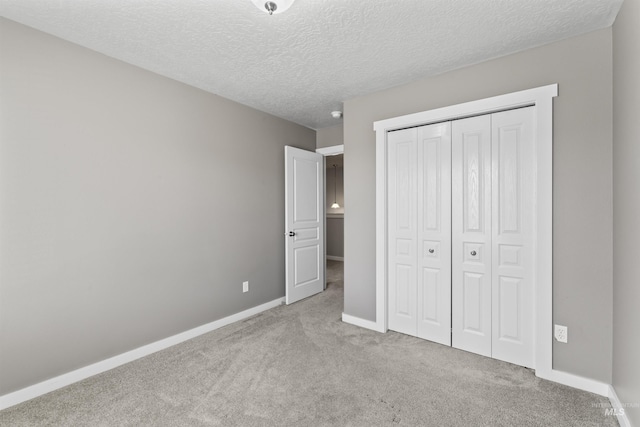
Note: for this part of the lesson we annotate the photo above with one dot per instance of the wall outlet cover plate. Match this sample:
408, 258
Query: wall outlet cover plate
560, 333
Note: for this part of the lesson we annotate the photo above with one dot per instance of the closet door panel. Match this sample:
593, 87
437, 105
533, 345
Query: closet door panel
512, 236
434, 233
471, 234
403, 230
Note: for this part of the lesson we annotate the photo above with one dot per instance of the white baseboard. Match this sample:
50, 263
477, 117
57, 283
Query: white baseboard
335, 258
592, 386
356, 321
575, 381
565, 378
63, 380
619, 408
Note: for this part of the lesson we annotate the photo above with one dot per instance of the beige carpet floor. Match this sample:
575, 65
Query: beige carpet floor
300, 365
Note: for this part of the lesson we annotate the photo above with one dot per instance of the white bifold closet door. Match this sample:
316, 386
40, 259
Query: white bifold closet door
492, 235
460, 226
420, 232
512, 236
471, 235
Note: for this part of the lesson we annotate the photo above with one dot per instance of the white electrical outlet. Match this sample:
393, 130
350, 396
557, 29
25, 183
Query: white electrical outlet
561, 333
245, 286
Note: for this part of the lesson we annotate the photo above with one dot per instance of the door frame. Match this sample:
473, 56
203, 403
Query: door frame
541, 99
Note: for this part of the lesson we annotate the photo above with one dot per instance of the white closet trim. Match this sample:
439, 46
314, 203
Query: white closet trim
542, 99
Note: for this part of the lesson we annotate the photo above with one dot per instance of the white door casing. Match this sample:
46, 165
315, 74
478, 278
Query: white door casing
304, 224
471, 235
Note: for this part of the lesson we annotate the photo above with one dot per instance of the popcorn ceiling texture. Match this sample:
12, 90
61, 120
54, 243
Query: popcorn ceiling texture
302, 64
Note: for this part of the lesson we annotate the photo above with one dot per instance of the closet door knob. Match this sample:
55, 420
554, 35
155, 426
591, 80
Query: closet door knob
473, 253
430, 251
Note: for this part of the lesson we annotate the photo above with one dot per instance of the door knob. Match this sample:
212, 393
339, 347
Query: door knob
473, 253
430, 251
292, 233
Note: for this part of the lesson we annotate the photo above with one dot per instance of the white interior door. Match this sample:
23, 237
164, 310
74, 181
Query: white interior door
304, 223
513, 236
471, 235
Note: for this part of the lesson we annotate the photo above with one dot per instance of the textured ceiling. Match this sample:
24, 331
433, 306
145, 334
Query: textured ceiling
301, 64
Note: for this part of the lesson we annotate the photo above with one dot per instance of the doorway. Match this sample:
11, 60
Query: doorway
334, 213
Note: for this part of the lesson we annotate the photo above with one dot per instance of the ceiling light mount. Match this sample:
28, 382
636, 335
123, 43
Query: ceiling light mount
336, 114
273, 7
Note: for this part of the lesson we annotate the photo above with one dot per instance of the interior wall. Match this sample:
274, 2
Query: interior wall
626, 207
132, 206
335, 217
335, 237
335, 186
582, 173
328, 137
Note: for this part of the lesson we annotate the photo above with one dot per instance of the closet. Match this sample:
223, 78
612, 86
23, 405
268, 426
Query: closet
461, 239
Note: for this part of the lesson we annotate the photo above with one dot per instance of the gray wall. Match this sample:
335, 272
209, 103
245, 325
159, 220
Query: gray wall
335, 237
328, 137
334, 184
335, 217
132, 206
582, 66
626, 206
